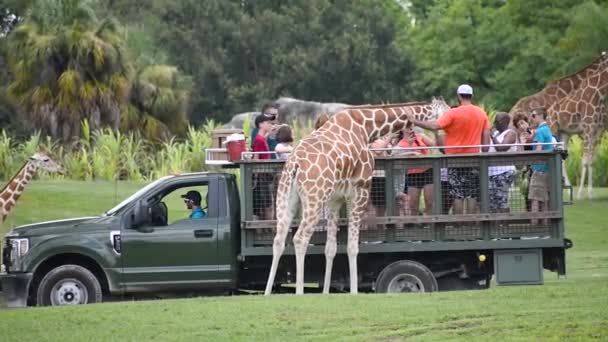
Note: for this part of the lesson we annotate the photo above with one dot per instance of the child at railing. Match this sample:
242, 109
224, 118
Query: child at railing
285, 140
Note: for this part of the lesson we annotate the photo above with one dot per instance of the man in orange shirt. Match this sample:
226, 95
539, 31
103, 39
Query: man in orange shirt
464, 125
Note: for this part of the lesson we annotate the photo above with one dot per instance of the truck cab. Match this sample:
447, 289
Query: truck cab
138, 246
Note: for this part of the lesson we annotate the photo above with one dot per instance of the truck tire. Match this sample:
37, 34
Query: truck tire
406, 276
69, 285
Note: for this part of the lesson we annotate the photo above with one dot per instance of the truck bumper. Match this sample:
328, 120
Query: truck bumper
15, 288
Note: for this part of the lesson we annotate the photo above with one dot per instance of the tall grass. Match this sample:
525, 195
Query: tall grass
108, 155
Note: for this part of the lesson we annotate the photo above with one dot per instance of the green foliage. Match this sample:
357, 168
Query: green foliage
586, 35
67, 65
600, 163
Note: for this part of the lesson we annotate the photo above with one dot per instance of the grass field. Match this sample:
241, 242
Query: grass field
572, 308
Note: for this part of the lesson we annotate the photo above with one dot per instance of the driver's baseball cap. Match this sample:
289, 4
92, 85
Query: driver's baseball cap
464, 89
193, 195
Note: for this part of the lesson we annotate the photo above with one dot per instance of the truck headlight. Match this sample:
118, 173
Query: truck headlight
19, 248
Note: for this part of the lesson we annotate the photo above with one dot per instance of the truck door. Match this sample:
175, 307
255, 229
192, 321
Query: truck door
173, 251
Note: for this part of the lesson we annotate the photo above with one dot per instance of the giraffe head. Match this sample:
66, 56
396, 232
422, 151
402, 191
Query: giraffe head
44, 162
439, 106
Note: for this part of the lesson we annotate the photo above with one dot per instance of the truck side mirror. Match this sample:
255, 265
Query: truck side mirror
140, 214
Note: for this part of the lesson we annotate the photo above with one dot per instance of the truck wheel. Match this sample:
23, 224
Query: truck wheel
69, 285
406, 276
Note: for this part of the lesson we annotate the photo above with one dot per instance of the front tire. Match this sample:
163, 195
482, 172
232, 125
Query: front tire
69, 285
406, 276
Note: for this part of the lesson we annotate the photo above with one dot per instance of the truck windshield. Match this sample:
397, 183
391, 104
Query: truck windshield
136, 195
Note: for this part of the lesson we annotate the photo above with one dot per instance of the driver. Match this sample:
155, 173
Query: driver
193, 201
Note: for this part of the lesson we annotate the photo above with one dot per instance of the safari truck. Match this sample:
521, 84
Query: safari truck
145, 247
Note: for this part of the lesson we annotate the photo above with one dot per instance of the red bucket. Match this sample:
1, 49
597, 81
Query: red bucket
235, 148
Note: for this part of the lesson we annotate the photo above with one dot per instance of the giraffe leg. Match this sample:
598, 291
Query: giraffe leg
359, 203
331, 245
564, 139
582, 181
310, 218
287, 204
590, 181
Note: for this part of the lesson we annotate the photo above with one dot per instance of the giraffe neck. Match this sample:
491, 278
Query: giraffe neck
374, 122
424, 112
14, 188
569, 83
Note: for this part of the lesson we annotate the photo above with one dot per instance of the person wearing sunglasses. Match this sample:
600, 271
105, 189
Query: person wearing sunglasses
271, 111
193, 202
539, 182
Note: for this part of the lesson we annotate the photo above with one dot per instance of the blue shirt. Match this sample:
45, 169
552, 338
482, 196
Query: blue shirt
543, 135
198, 213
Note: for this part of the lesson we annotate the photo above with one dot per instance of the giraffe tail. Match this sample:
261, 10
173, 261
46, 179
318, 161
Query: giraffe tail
288, 199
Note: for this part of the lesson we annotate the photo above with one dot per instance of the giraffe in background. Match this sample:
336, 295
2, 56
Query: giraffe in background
558, 89
583, 112
332, 165
14, 188
555, 91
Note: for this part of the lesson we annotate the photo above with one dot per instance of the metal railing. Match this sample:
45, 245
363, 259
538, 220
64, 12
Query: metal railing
499, 185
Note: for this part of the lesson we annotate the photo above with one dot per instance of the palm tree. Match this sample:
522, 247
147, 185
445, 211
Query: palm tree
67, 66
160, 95
158, 103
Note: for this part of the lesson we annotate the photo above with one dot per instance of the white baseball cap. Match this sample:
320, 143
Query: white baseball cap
464, 89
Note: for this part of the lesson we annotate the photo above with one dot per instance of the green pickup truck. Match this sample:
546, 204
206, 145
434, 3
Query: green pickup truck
140, 247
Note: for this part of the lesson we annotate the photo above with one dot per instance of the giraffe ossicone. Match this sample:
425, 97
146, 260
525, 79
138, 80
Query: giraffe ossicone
15, 186
331, 166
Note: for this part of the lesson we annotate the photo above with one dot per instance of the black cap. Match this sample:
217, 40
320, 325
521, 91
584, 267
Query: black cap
194, 196
262, 118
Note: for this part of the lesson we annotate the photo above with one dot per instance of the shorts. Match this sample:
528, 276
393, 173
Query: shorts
419, 180
464, 182
539, 186
499, 186
262, 193
378, 191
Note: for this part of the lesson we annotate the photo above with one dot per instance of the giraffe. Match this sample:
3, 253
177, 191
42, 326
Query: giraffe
556, 90
14, 188
333, 164
583, 112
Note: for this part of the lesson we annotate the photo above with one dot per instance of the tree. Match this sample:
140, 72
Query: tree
586, 35
506, 50
68, 66
158, 104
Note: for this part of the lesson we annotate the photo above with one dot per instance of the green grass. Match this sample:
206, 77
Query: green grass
572, 308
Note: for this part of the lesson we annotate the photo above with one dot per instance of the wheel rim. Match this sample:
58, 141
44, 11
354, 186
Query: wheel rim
69, 292
405, 283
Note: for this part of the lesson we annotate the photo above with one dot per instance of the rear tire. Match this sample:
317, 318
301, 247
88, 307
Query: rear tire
69, 285
406, 276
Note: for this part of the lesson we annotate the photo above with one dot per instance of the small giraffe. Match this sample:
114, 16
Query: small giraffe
558, 89
14, 188
332, 165
583, 112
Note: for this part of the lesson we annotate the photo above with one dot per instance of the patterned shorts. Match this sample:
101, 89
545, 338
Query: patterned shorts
464, 182
499, 189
